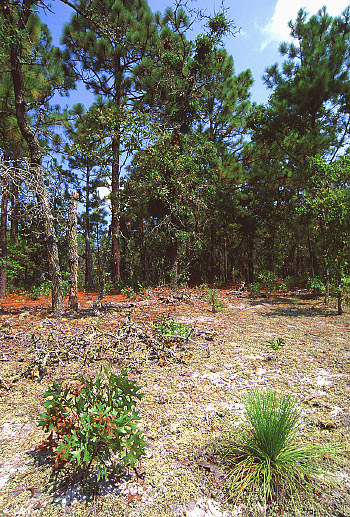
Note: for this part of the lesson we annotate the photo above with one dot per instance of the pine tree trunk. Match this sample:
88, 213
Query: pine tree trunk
115, 226
89, 283
52, 253
340, 308
250, 243
142, 248
326, 298
339, 294
213, 258
88, 253
73, 252
174, 263
36, 162
3, 239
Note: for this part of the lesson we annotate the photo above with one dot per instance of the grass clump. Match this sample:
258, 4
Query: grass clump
275, 343
270, 464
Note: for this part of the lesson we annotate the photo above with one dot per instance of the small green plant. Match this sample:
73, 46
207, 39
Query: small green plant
128, 292
268, 279
275, 343
143, 291
269, 462
254, 289
92, 420
283, 286
171, 328
43, 289
213, 299
315, 285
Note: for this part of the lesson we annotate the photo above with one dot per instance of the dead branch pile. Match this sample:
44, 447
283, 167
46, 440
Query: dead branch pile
131, 341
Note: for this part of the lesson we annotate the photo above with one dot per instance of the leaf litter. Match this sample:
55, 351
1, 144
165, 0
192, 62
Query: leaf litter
192, 395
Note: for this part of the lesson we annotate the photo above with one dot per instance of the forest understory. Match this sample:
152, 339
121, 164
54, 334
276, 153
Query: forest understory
192, 399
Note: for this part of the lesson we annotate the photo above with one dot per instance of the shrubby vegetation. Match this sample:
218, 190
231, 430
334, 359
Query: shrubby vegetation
91, 421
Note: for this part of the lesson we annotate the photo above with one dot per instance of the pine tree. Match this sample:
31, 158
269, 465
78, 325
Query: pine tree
222, 108
87, 152
30, 60
309, 106
105, 41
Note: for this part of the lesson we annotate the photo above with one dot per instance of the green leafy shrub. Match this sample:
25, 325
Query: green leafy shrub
89, 422
283, 286
213, 299
254, 289
43, 289
275, 343
316, 285
268, 278
269, 462
171, 328
129, 293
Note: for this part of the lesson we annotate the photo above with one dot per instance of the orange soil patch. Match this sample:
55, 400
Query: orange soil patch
86, 299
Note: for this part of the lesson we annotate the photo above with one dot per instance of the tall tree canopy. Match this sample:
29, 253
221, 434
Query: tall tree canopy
105, 41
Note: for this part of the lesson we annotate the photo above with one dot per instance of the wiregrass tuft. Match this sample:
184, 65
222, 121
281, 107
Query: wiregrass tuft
270, 464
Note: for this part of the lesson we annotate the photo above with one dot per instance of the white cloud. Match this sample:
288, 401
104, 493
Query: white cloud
277, 29
103, 192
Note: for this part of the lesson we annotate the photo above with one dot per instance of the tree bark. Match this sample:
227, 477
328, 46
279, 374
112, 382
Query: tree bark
88, 253
28, 134
73, 252
115, 223
213, 257
174, 263
250, 245
3, 239
142, 247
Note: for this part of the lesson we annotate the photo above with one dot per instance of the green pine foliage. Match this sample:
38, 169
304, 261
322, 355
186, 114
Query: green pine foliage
269, 463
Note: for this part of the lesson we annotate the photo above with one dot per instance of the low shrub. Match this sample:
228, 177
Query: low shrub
255, 289
92, 420
170, 328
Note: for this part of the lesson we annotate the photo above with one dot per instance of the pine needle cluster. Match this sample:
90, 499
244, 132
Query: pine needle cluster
270, 464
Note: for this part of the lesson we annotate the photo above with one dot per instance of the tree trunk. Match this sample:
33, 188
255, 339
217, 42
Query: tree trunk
14, 214
213, 258
88, 253
115, 224
52, 253
326, 298
73, 252
340, 308
36, 162
3, 239
89, 283
250, 245
142, 247
174, 263
340, 294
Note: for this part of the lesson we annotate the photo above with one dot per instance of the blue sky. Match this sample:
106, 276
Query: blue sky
263, 25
